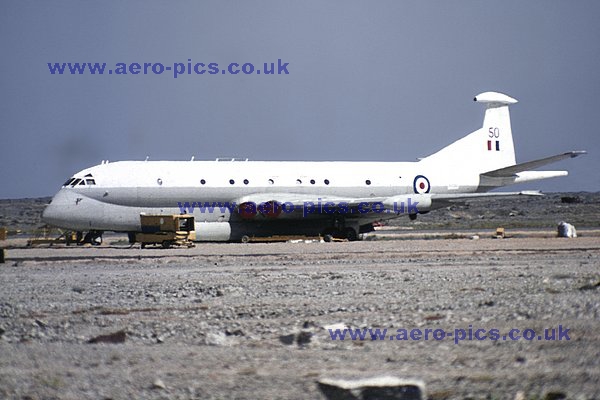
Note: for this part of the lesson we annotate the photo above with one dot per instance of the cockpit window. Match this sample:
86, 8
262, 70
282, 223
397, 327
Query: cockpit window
86, 180
67, 183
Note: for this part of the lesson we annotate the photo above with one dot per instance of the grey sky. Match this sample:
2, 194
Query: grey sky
382, 81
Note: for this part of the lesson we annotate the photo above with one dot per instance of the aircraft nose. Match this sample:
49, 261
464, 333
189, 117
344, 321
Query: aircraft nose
50, 214
57, 212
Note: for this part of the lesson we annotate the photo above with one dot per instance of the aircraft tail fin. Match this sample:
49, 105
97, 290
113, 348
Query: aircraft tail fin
489, 148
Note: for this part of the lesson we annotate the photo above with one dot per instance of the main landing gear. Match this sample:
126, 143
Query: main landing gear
347, 233
92, 237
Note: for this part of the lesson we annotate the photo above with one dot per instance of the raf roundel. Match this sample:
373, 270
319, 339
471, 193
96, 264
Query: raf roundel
421, 184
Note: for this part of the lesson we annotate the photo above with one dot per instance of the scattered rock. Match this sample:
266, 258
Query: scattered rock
216, 339
555, 395
340, 325
41, 323
115, 337
520, 395
590, 286
309, 324
287, 339
566, 230
158, 384
304, 338
301, 339
384, 387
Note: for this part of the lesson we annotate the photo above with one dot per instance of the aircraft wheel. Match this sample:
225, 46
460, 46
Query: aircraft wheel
166, 244
351, 234
329, 234
92, 237
245, 239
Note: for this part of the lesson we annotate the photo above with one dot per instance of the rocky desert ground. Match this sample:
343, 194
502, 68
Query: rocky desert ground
253, 321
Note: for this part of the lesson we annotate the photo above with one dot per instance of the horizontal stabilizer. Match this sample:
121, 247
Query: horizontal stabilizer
474, 196
514, 169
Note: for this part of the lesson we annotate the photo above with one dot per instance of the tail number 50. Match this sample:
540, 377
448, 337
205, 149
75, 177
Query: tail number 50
494, 132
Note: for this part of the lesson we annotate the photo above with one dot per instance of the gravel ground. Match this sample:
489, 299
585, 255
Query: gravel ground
249, 321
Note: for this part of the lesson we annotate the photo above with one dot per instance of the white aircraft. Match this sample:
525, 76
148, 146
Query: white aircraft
232, 200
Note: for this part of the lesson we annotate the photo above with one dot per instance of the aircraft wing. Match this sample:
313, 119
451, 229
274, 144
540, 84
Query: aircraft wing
299, 200
514, 169
422, 202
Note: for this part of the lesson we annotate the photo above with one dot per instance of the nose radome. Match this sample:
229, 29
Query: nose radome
51, 215
57, 212
47, 213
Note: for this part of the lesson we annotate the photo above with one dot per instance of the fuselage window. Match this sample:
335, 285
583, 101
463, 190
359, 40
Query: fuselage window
299, 181
326, 181
271, 181
368, 182
82, 183
90, 181
75, 182
159, 181
312, 181
231, 181
202, 181
246, 181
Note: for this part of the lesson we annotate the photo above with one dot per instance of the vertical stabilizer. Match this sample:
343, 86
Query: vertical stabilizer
488, 148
